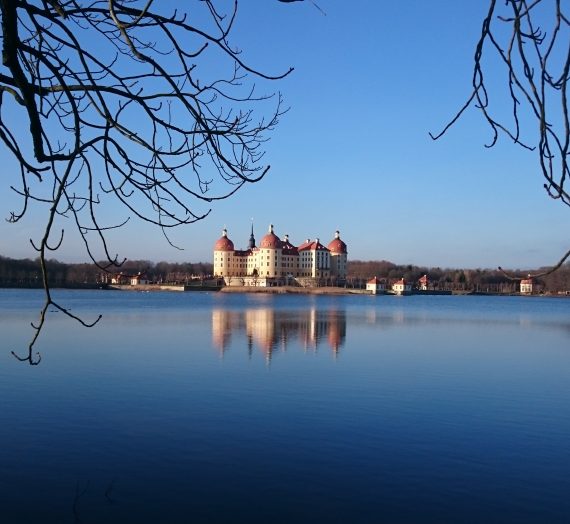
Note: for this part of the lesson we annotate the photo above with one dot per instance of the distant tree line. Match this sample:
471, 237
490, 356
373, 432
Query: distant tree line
477, 280
27, 273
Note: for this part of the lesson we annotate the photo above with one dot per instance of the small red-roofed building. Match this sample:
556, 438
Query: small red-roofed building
139, 280
120, 279
526, 286
401, 287
375, 286
423, 283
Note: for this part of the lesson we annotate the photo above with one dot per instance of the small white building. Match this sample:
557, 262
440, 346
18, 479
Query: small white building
401, 287
526, 286
119, 278
139, 280
423, 283
375, 286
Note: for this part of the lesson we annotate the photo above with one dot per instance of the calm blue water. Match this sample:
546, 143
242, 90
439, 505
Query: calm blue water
205, 407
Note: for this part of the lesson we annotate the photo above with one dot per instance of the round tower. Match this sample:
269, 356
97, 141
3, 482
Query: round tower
223, 255
270, 254
339, 256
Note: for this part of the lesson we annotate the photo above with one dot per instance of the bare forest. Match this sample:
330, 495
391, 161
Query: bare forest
26, 273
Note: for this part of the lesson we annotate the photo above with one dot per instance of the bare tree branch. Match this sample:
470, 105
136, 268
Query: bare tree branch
314, 3
510, 276
537, 63
126, 102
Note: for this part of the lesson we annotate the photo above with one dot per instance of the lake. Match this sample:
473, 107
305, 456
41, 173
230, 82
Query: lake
213, 407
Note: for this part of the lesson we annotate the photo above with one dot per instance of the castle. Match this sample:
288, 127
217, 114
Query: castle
278, 262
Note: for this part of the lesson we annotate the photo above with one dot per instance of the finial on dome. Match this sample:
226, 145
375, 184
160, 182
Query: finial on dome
224, 232
271, 228
337, 234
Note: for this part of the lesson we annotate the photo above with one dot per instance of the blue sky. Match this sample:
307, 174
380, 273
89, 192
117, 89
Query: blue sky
353, 153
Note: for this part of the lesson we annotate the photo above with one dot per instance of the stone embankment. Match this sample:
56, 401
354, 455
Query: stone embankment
295, 289
161, 287
145, 287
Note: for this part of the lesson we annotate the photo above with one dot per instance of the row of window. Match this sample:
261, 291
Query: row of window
304, 257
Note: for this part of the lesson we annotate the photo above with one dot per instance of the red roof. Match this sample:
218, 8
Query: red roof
375, 280
424, 279
271, 240
288, 248
314, 245
337, 246
224, 243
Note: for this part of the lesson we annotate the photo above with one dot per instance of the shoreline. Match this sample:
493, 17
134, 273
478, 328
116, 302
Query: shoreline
277, 290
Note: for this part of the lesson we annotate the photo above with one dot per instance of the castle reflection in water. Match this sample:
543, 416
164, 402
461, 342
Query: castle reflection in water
272, 330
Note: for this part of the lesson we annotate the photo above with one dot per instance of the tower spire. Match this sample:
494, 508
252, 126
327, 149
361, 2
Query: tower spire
251, 237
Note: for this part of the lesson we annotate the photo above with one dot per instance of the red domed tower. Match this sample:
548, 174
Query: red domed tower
270, 254
336, 245
223, 255
224, 243
271, 240
339, 255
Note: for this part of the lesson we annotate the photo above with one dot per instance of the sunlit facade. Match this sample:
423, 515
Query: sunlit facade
401, 287
526, 286
375, 286
277, 261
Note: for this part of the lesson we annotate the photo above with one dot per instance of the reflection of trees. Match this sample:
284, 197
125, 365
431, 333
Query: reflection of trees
272, 330
376, 319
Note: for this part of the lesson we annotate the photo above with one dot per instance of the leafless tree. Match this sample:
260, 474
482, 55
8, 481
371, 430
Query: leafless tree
531, 39
106, 100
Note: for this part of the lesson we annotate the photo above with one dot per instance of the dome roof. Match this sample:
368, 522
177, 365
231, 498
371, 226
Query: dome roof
337, 245
224, 243
271, 240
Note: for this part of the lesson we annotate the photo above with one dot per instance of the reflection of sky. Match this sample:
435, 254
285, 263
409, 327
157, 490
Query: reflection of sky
397, 317
446, 409
273, 330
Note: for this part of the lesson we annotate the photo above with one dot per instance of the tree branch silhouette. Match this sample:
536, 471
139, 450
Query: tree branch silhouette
531, 39
118, 100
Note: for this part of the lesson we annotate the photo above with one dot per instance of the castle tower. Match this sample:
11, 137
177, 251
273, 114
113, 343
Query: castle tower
339, 256
224, 256
270, 252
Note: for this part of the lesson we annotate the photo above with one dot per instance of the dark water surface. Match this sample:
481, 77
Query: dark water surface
205, 407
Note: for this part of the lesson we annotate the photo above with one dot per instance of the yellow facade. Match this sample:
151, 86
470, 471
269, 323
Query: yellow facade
277, 258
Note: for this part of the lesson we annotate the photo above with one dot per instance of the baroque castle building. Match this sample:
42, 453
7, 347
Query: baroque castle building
277, 261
